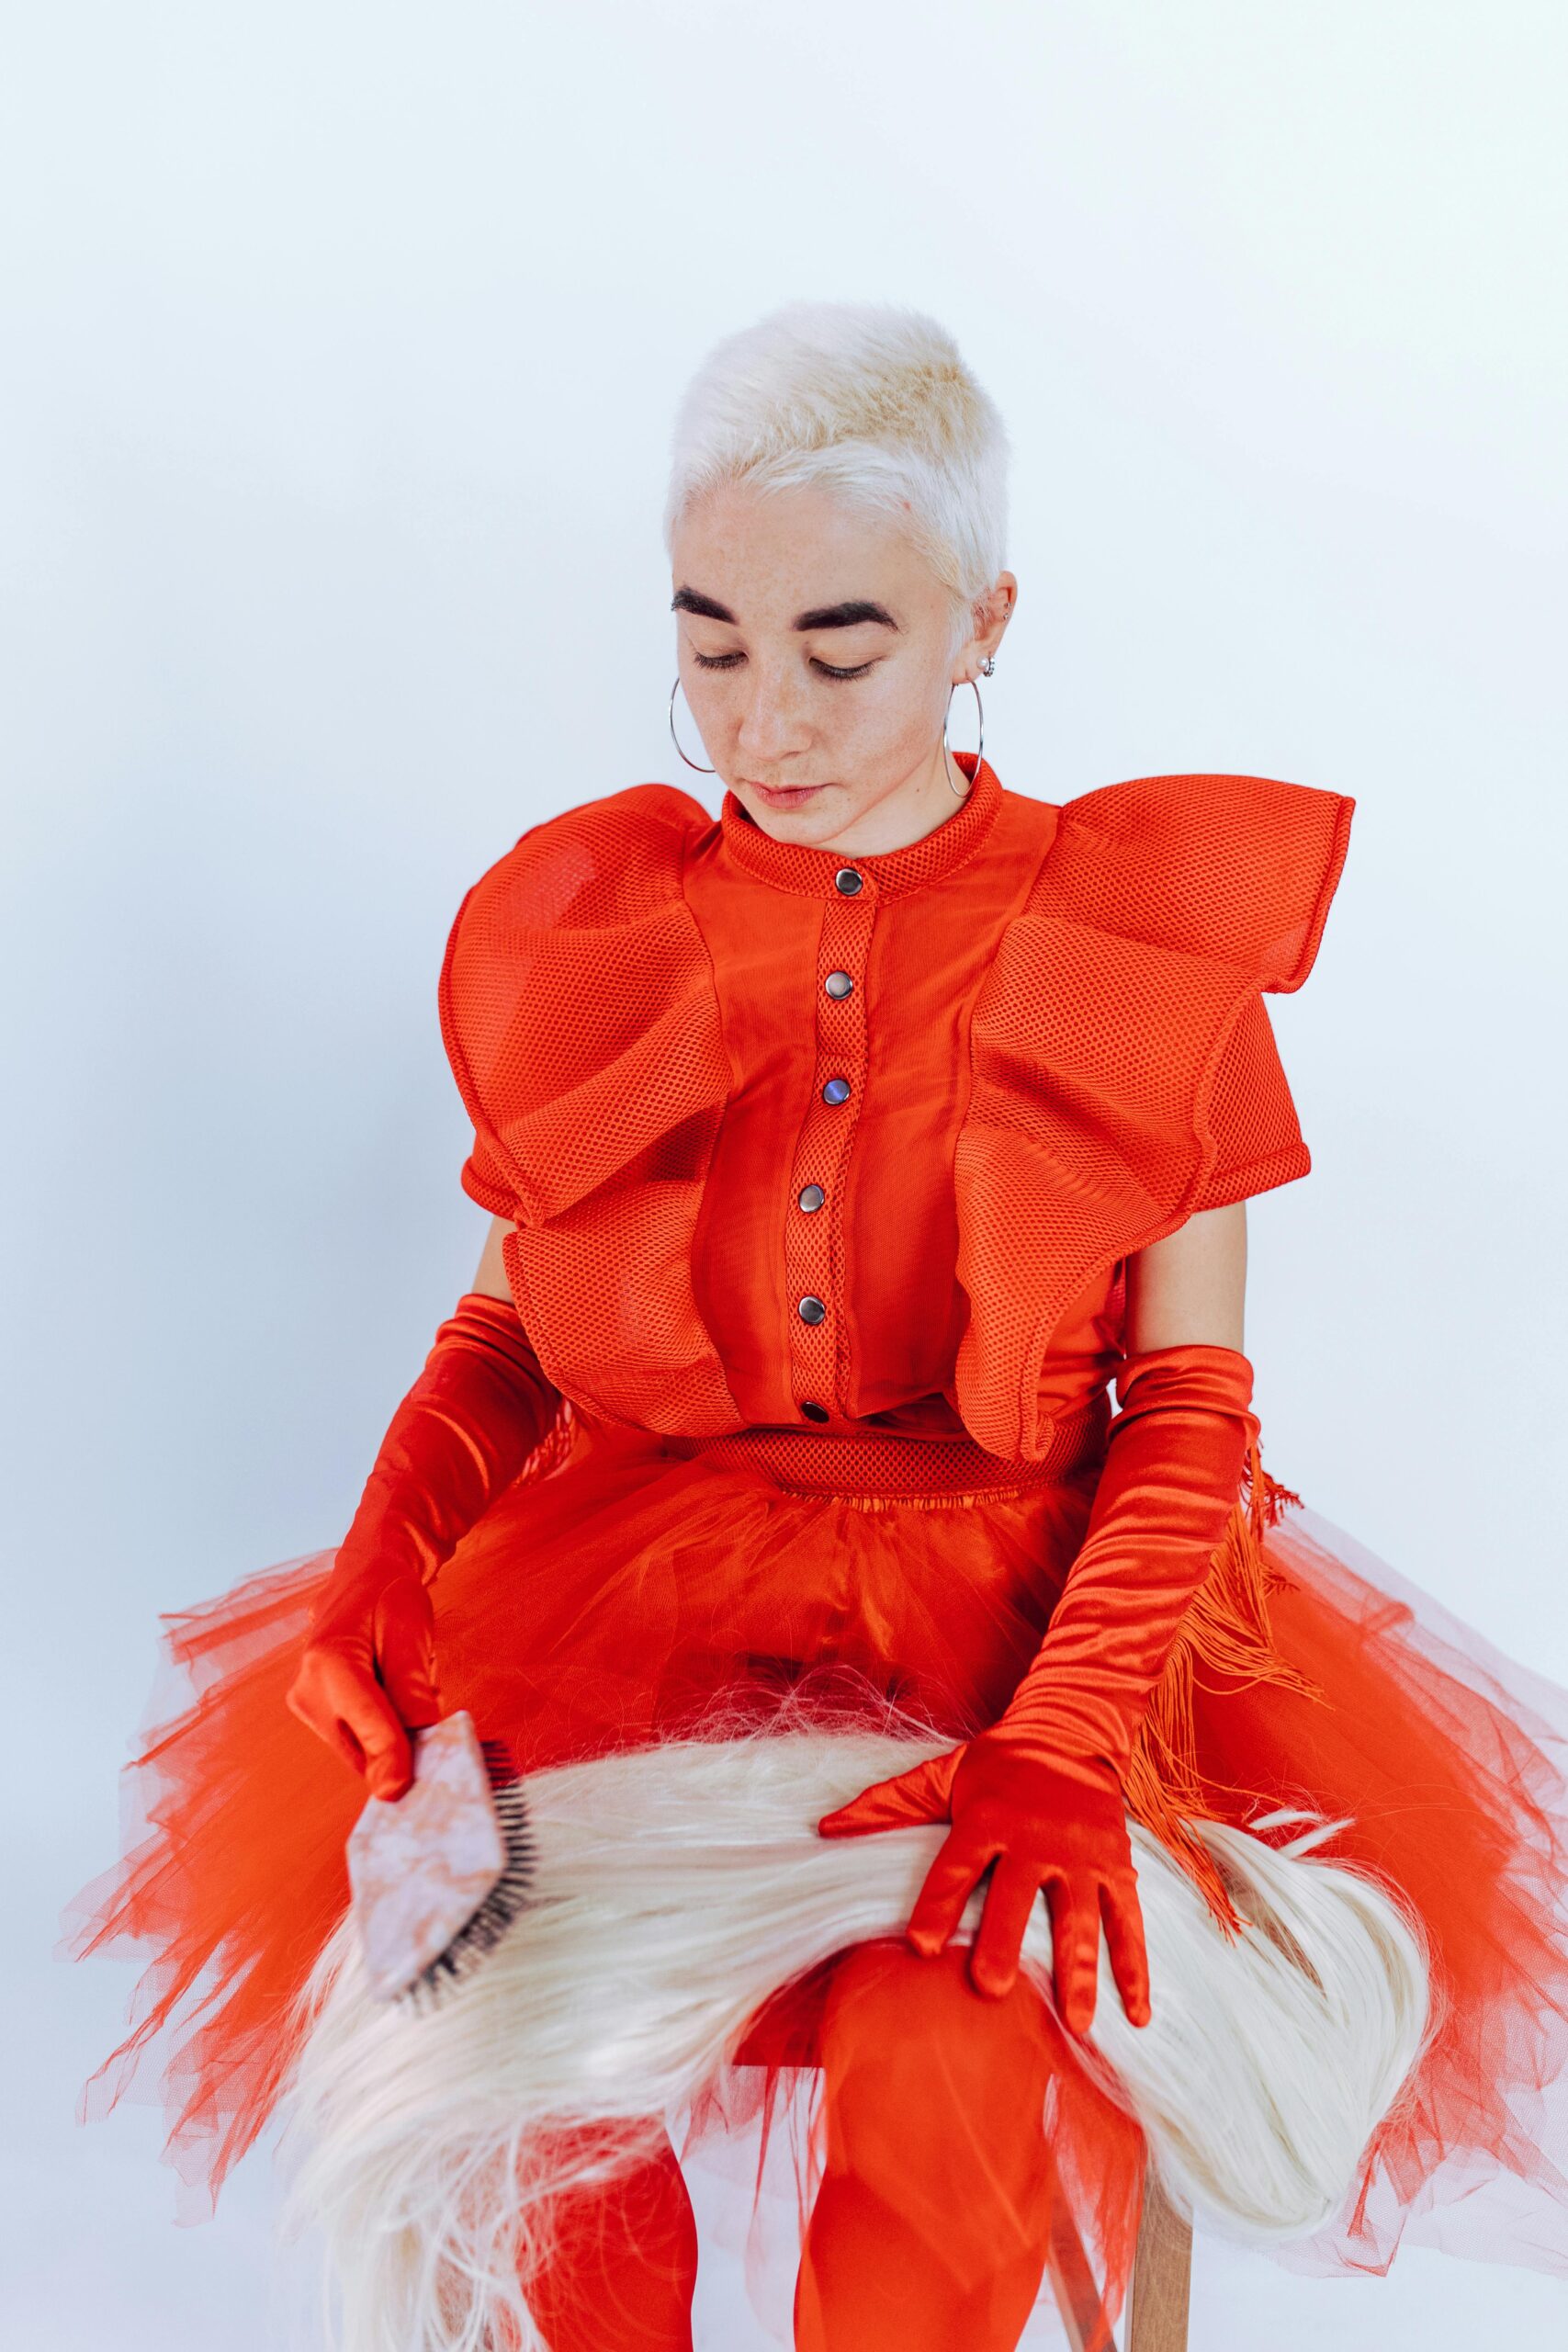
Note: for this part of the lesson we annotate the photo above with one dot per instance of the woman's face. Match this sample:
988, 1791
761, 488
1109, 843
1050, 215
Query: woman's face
814, 653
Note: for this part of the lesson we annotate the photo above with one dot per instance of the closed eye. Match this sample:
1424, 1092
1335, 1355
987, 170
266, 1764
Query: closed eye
824, 668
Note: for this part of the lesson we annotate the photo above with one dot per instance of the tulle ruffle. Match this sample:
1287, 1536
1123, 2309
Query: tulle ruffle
621, 1598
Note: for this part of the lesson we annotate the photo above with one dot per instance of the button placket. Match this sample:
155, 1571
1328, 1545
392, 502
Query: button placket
813, 1245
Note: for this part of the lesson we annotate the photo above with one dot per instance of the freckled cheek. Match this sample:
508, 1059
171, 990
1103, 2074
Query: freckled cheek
889, 701
894, 719
879, 721
716, 705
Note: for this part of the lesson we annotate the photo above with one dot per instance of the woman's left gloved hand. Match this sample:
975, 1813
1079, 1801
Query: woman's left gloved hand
1038, 1797
1053, 1822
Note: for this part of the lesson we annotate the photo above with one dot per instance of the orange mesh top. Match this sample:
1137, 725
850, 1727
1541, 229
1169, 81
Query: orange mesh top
792, 1140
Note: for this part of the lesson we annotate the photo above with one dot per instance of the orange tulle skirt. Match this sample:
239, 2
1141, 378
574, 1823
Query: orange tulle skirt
608, 1603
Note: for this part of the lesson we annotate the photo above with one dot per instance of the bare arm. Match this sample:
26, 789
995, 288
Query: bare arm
491, 1280
1190, 1288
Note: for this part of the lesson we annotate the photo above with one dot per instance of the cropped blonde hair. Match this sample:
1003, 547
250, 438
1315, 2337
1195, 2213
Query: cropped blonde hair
866, 399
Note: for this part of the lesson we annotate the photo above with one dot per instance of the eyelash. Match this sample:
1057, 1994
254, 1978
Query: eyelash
728, 660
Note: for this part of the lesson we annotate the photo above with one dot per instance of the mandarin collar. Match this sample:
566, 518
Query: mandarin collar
790, 866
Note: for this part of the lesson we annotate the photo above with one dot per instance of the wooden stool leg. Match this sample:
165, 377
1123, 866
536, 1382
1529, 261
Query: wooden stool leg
1073, 2284
1162, 2274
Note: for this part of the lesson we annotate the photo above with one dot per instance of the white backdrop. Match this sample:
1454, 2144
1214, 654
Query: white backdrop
344, 343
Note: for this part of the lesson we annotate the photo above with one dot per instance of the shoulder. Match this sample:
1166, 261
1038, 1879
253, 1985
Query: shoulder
1241, 869
605, 863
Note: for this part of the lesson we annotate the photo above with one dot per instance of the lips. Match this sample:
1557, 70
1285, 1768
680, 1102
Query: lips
782, 796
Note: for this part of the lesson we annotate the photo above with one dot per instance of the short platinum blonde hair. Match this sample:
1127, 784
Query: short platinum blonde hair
868, 400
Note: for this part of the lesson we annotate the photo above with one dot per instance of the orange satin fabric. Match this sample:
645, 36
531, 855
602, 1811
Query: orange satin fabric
480, 1411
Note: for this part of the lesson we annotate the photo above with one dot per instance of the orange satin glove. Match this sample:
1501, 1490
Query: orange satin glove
467, 1427
1040, 1793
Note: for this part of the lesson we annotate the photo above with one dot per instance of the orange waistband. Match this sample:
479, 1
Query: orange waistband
881, 1465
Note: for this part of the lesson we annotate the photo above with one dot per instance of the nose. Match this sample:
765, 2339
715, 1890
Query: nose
772, 726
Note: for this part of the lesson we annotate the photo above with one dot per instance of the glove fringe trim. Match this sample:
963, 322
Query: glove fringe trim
1226, 1641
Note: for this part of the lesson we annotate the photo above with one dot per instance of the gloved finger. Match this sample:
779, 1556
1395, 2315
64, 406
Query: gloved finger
389, 1754
1075, 1947
1009, 1904
921, 1794
312, 1696
1124, 1921
945, 1891
406, 1656
338, 1735
348, 1708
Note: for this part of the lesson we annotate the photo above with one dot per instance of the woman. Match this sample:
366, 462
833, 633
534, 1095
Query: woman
842, 1154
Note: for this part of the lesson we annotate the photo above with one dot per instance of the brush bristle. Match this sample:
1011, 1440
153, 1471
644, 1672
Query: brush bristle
507, 1898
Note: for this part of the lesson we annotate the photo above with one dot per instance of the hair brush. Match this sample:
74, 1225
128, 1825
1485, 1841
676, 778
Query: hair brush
438, 1877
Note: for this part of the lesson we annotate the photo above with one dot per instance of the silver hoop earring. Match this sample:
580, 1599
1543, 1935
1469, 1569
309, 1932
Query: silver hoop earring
948, 760
988, 667
676, 740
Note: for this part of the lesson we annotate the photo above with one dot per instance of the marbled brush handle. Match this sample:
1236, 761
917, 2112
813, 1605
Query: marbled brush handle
420, 1868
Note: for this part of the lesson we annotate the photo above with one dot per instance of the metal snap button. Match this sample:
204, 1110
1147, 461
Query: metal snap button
812, 1310
836, 1091
838, 984
847, 881
812, 1198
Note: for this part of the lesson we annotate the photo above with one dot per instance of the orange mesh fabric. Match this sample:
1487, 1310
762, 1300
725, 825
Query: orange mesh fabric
876, 1467
1258, 1142
1004, 1058
578, 1013
1162, 910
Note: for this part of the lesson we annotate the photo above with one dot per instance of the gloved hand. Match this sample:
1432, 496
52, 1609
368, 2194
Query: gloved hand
1040, 1793
480, 1407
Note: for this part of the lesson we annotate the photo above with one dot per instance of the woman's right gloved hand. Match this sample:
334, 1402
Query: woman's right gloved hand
479, 1408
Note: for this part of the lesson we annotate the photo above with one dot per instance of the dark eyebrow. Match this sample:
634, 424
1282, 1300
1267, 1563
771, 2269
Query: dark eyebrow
845, 615
848, 616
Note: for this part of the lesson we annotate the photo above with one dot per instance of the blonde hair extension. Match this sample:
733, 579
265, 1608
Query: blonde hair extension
676, 1888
